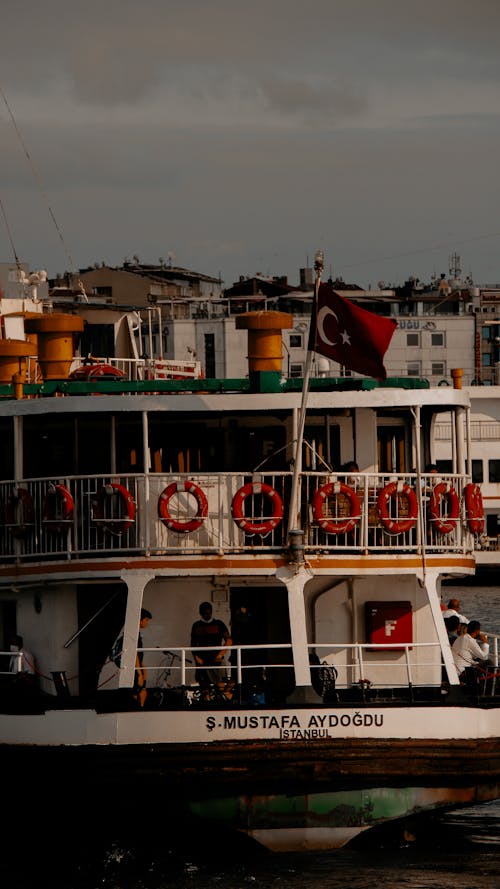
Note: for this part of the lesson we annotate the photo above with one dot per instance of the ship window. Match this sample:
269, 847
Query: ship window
296, 341
494, 470
296, 370
391, 441
444, 466
437, 339
412, 339
6, 448
477, 471
7, 629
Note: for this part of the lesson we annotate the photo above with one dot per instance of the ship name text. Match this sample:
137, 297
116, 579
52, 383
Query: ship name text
291, 726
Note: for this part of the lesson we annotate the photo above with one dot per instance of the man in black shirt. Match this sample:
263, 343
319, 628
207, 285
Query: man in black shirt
209, 631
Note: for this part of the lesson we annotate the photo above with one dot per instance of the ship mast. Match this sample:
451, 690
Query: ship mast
294, 511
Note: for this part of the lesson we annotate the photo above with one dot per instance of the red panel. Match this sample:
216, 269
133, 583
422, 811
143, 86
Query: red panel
389, 622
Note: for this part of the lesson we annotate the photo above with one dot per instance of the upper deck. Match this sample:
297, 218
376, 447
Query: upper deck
209, 469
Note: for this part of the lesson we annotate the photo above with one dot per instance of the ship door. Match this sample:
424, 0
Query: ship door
265, 619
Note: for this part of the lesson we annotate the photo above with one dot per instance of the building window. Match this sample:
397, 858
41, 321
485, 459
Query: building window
477, 471
437, 339
210, 356
296, 370
296, 341
486, 332
494, 470
102, 291
438, 369
412, 339
486, 359
413, 368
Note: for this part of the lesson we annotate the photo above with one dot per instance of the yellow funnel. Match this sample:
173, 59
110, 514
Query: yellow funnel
55, 342
264, 338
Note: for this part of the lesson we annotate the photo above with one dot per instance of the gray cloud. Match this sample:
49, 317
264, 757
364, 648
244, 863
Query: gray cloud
244, 136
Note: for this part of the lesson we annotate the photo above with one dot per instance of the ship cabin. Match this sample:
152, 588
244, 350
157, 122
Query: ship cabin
317, 528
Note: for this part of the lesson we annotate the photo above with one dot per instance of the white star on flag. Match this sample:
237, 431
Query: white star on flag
345, 338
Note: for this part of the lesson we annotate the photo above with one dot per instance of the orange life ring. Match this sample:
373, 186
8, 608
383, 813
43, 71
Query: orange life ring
20, 513
119, 524
58, 507
397, 489
446, 524
474, 508
332, 489
178, 525
262, 528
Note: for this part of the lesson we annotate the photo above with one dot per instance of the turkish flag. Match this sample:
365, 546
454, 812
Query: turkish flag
357, 339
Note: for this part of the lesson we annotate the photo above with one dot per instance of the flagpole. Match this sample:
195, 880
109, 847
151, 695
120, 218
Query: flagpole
294, 511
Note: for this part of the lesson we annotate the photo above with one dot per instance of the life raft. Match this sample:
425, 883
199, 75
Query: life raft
19, 513
58, 507
474, 508
444, 491
96, 370
264, 527
115, 523
400, 525
338, 526
183, 526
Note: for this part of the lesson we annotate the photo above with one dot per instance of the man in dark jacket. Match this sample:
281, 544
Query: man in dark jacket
213, 633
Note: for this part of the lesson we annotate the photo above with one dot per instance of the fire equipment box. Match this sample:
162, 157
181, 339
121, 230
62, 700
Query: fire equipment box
389, 622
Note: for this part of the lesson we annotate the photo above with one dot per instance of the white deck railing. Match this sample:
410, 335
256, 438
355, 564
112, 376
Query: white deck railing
73, 517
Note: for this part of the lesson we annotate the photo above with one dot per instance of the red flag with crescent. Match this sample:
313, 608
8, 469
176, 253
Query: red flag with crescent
355, 338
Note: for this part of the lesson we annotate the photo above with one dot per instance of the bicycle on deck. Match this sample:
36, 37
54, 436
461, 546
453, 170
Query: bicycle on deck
169, 688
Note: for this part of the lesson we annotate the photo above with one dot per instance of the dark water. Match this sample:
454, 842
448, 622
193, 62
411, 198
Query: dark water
455, 851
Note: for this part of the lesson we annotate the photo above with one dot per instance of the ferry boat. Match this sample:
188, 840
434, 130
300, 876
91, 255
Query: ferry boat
338, 706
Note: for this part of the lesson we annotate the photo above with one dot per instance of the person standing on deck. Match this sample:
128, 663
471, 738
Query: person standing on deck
140, 690
209, 631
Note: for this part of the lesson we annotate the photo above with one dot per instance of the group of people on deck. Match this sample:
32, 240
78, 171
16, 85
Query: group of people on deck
469, 646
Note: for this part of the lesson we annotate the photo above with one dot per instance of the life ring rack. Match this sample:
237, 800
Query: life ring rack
115, 525
58, 508
447, 524
397, 489
19, 512
333, 489
474, 508
181, 526
264, 527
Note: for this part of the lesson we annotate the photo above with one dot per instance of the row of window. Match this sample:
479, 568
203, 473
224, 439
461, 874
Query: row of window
413, 369
437, 339
477, 470
412, 339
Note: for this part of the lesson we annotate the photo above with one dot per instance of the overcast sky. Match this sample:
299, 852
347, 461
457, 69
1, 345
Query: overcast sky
236, 138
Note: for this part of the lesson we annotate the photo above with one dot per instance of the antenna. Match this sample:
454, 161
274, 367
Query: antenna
38, 182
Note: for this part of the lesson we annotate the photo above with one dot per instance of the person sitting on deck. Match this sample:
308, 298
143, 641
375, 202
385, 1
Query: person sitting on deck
452, 626
468, 650
453, 610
